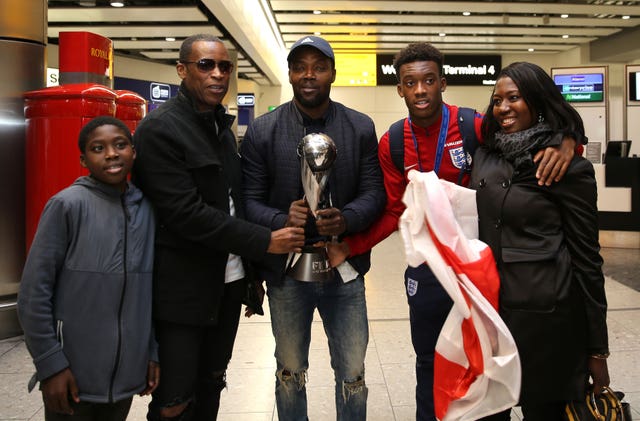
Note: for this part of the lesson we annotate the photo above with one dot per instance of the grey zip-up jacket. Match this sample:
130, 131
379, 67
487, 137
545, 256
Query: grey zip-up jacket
85, 294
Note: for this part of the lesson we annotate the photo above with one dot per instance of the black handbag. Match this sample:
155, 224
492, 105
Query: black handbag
607, 406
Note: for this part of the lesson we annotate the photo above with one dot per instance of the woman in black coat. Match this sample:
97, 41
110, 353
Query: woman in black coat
545, 241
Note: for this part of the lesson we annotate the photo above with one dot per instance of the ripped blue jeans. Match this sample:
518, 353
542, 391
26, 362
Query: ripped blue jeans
343, 309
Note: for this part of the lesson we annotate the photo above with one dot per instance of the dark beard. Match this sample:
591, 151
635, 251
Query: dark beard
311, 103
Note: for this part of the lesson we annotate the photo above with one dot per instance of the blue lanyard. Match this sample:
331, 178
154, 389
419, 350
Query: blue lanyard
442, 137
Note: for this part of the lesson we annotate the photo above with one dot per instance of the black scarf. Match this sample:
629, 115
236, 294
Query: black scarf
519, 147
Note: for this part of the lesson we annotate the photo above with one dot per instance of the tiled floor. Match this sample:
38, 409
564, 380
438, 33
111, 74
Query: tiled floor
390, 357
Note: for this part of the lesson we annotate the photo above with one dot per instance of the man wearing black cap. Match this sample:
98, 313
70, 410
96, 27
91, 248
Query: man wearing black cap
275, 198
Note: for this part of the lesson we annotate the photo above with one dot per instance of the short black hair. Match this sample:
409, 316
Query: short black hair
418, 51
104, 120
187, 44
543, 98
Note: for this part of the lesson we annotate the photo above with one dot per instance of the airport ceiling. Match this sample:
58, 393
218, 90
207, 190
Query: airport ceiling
153, 29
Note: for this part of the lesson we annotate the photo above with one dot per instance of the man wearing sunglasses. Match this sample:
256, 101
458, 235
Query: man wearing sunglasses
274, 193
188, 166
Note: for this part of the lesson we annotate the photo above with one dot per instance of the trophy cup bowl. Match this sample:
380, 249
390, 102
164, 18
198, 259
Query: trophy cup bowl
317, 153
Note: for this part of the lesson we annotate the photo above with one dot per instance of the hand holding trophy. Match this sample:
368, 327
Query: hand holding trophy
317, 153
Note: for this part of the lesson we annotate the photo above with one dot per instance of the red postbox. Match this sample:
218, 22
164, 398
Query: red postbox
85, 57
54, 117
130, 108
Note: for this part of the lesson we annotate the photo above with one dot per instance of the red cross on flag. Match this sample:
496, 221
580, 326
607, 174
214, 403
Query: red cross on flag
476, 367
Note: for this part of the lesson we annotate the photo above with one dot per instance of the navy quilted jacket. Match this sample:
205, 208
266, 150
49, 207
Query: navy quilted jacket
271, 173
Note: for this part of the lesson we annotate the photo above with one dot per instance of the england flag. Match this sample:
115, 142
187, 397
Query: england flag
477, 367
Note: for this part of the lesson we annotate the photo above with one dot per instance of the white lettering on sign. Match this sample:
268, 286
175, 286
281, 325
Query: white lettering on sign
388, 69
159, 91
468, 70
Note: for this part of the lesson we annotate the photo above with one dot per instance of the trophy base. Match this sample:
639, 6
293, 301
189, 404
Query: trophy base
312, 266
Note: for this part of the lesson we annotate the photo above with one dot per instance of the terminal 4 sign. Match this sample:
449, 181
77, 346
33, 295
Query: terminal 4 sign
464, 70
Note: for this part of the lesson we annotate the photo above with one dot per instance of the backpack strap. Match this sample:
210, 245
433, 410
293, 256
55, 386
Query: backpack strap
396, 144
466, 125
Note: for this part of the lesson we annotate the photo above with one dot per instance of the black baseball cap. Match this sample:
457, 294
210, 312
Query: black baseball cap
315, 42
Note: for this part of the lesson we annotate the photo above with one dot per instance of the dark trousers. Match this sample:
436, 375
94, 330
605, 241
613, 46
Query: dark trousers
88, 411
194, 359
429, 306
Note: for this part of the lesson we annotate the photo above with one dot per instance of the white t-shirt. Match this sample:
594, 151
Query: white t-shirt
235, 270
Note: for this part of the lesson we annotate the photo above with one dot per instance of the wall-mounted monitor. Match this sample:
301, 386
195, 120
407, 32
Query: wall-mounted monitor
581, 87
634, 86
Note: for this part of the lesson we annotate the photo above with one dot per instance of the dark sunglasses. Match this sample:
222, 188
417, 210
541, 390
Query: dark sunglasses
208, 64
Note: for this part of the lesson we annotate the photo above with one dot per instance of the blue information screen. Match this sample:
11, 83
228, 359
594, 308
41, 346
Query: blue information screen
582, 87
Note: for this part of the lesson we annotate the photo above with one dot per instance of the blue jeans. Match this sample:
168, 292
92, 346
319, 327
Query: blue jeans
429, 306
343, 310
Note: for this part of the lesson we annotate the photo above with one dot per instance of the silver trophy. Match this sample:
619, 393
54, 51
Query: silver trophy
317, 153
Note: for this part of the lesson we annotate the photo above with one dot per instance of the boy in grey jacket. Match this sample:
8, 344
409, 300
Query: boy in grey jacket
85, 295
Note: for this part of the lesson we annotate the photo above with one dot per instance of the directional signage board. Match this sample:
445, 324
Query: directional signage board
465, 70
246, 100
471, 70
385, 73
159, 92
